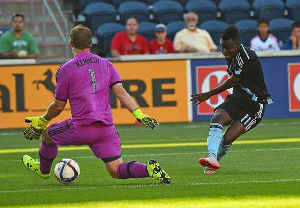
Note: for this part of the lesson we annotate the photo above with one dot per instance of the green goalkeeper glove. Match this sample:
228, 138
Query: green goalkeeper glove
144, 119
34, 131
37, 122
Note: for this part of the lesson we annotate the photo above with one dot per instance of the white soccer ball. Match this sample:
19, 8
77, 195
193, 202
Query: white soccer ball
67, 171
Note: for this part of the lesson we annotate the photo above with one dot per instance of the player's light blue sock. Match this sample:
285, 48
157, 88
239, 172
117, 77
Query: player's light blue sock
223, 149
214, 137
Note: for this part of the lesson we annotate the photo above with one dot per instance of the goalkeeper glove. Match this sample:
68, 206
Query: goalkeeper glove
34, 131
37, 122
144, 119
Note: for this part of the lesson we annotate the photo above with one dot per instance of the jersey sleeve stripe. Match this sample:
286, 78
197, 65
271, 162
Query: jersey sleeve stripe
115, 83
245, 51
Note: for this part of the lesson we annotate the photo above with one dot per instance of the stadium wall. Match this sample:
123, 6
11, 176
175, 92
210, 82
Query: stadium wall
161, 85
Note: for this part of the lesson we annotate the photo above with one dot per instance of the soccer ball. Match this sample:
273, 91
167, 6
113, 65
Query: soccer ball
67, 171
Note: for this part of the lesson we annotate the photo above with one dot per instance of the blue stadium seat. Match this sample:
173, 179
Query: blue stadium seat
117, 3
167, 11
206, 10
268, 9
293, 9
98, 14
234, 10
248, 29
281, 28
135, 9
105, 34
79, 5
215, 29
174, 27
147, 29
151, 2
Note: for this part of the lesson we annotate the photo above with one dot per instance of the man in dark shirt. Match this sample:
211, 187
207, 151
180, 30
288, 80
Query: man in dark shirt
244, 108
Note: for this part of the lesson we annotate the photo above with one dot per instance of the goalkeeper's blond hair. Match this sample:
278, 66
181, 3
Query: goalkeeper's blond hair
81, 37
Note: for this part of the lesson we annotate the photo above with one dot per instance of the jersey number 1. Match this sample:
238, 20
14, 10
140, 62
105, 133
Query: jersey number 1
93, 77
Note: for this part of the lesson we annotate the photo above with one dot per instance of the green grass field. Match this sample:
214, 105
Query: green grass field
261, 170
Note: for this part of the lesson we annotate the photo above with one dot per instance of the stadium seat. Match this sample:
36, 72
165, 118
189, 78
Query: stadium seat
151, 2
173, 28
206, 10
147, 29
167, 11
293, 7
117, 3
281, 28
98, 14
248, 29
79, 5
135, 9
268, 9
234, 10
215, 29
105, 33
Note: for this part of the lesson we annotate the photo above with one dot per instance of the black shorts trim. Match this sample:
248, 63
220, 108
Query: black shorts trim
110, 159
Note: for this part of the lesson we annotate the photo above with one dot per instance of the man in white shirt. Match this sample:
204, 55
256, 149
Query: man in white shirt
264, 41
192, 39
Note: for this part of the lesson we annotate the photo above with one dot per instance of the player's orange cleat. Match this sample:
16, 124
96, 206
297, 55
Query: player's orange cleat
210, 161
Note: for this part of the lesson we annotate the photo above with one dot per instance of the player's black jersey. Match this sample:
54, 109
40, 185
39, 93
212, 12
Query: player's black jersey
246, 65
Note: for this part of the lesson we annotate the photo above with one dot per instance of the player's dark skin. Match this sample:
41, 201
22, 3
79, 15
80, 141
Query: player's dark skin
229, 49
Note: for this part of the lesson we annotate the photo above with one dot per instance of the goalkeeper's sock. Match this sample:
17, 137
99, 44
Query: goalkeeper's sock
214, 137
132, 169
223, 149
47, 153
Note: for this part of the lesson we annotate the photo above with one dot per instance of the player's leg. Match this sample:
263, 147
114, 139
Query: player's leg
220, 119
235, 130
108, 148
60, 133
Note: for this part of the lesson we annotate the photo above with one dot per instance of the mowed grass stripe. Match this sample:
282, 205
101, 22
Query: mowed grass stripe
134, 146
150, 185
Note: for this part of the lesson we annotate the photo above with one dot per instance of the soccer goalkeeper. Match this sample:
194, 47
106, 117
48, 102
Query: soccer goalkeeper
85, 81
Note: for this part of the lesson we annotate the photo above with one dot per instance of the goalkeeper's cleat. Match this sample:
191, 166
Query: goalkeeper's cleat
157, 173
208, 170
210, 161
34, 166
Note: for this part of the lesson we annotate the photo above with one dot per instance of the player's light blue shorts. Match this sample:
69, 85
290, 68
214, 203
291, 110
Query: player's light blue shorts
103, 140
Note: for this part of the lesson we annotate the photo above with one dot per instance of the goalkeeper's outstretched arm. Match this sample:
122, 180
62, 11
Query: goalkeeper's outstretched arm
127, 101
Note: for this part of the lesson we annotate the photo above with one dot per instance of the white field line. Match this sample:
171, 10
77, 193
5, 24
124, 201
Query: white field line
200, 126
172, 154
149, 185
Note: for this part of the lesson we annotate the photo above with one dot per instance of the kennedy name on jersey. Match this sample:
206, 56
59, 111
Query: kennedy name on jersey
82, 62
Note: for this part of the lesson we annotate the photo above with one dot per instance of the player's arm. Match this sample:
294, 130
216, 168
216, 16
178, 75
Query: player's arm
127, 101
199, 98
54, 109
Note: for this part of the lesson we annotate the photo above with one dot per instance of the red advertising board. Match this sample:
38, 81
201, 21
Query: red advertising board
294, 87
209, 77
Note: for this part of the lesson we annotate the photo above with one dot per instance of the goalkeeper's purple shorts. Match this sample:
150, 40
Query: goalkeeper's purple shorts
103, 140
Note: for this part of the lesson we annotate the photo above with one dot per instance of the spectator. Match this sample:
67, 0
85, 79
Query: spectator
129, 42
161, 45
18, 43
264, 41
193, 39
293, 42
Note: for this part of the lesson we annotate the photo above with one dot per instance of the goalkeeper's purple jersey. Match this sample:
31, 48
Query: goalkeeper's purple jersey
85, 81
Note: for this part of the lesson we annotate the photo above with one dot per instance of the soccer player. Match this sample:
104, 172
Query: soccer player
85, 81
244, 108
